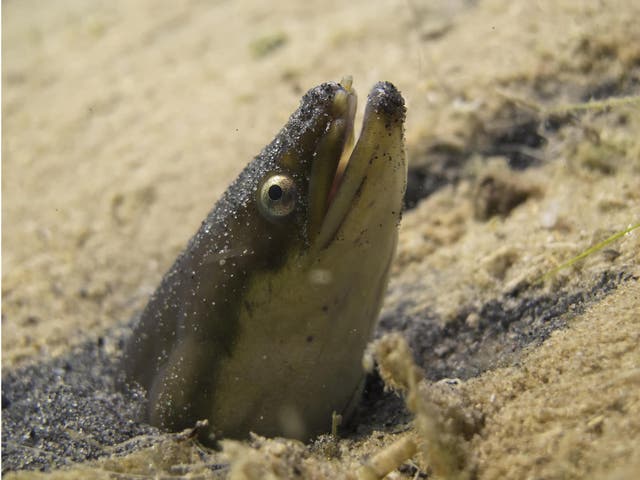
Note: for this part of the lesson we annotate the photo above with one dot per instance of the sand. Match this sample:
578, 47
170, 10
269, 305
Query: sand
123, 122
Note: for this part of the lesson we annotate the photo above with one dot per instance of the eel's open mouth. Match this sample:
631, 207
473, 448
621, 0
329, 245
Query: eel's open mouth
339, 170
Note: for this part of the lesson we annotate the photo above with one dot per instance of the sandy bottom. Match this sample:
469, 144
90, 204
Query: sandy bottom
123, 122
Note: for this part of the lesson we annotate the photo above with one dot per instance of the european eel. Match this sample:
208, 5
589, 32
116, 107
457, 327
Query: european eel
261, 323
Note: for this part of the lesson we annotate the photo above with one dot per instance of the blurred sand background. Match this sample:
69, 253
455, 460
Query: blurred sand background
123, 122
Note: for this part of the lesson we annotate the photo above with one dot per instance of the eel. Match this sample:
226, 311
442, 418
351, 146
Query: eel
261, 323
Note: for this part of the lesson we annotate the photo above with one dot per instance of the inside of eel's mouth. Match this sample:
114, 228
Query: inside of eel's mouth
346, 83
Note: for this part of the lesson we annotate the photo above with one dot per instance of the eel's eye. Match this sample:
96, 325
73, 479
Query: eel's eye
277, 197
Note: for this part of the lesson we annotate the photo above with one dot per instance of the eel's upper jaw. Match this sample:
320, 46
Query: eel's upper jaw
337, 139
377, 160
